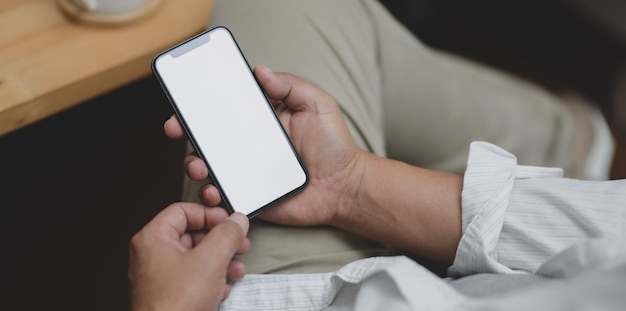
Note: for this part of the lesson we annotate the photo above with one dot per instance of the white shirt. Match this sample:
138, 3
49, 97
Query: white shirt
516, 220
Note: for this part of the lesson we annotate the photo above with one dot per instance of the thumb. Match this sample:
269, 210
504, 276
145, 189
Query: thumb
223, 240
290, 89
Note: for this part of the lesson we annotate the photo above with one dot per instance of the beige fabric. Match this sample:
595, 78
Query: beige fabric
400, 98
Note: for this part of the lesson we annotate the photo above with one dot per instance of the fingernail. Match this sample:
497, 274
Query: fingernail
240, 219
265, 67
168, 120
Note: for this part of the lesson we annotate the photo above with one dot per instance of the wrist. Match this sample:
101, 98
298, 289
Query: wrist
351, 195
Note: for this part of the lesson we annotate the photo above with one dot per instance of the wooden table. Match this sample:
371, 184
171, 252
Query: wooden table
49, 63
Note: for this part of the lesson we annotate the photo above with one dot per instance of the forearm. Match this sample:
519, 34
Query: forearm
414, 209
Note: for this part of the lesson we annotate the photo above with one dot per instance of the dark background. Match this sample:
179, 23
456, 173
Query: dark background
77, 186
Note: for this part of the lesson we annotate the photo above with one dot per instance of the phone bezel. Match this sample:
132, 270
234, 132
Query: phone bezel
191, 43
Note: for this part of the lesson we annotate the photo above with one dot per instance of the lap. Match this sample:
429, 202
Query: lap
400, 99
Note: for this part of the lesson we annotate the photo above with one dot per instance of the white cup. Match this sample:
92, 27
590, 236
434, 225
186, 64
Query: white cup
109, 6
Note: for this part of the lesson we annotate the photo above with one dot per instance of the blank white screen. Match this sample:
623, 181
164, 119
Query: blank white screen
233, 125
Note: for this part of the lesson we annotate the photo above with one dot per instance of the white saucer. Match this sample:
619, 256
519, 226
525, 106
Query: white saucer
100, 19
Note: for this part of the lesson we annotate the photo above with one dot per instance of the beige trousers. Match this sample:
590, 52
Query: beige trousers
400, 98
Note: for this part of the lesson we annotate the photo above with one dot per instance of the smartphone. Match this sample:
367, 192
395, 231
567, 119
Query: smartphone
230, 122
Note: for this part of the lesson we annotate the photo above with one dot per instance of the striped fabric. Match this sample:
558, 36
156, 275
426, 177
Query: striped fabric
516, 220
516, 217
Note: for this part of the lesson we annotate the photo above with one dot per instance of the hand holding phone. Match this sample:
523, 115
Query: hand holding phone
230, 122
318, 131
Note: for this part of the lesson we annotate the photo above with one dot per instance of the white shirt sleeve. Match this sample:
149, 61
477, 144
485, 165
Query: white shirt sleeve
515, 220
516, 217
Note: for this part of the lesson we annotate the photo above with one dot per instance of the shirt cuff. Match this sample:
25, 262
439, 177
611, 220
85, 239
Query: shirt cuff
487, 186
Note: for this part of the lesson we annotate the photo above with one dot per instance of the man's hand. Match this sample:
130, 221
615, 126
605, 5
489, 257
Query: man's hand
182, 259
316, 127
411, 208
